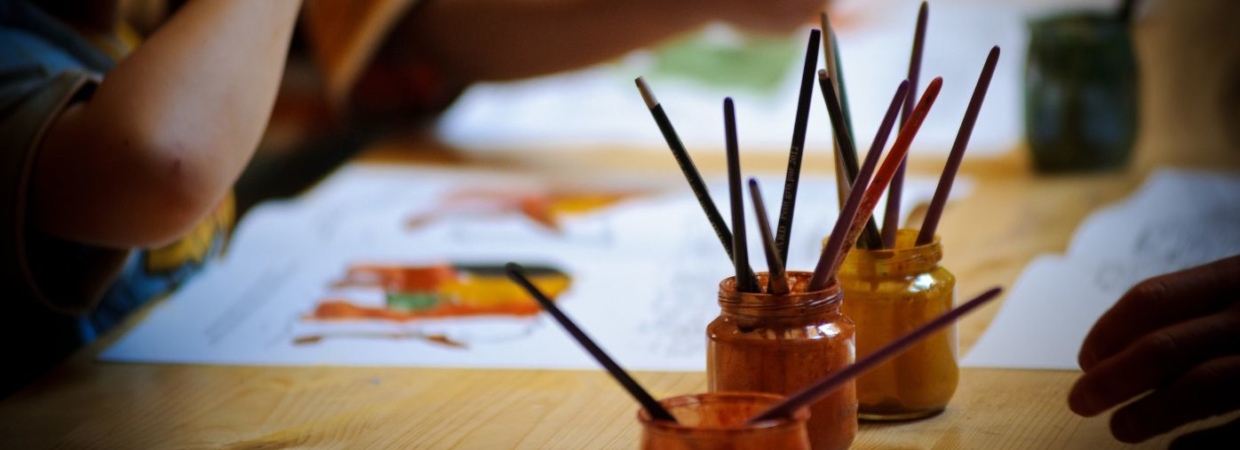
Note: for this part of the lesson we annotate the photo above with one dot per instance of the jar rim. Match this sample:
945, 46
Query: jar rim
767, 426
906, 257
798, 297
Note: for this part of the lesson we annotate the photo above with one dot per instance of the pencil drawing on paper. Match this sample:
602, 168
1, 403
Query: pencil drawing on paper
1172, 245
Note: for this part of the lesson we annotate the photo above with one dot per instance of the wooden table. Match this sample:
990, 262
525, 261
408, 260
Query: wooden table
1011, 216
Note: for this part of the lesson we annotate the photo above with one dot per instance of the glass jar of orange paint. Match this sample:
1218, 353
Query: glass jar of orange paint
717, 421
781, 343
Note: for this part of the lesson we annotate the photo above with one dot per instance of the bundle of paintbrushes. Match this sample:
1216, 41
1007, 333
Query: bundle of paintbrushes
772, 325
856, 258
861, 183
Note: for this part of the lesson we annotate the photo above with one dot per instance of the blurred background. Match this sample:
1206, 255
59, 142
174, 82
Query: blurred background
1185, 91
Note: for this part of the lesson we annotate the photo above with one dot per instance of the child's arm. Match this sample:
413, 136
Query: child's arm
164, 137
503, 39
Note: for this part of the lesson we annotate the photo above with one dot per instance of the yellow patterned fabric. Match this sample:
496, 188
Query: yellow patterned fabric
46, 65
195, 246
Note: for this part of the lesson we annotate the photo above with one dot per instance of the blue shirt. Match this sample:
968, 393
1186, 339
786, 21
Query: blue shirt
65, 294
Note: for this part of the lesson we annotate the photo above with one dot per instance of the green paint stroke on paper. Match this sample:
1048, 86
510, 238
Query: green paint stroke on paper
753, 63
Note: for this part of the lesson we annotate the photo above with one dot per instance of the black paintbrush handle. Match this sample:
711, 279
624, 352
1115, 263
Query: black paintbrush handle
652, 406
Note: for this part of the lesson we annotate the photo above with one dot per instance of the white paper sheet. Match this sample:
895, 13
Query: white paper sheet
600, 106
644, 276
1176, 220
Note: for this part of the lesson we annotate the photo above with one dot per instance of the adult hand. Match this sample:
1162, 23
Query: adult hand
768, 16
1176, 339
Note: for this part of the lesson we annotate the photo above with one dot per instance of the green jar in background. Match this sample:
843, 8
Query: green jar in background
1081, 103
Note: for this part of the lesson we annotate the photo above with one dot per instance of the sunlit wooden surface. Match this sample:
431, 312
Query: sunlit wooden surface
1011, 216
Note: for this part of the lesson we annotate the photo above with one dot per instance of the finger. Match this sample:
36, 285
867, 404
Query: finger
1221, 437
1156, 360
1207, 390
1161, 301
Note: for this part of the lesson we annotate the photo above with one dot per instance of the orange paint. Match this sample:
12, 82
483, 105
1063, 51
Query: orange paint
428, 292
399, 278
544, 208
338, 309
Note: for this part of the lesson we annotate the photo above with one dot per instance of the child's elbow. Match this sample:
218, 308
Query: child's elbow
174, 193
120, 182
172, 212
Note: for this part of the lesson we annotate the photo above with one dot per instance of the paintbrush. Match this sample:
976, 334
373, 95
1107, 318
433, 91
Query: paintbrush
793, 175
928, 226
849, 212
778, 277
835, 71
848, 154
828, 262
686, 166
891, 216
746, 281
516, 273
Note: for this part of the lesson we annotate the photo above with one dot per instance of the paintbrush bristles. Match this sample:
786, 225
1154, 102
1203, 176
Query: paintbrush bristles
647, 93
824, 270
656, 410
826, 385
688, 169
891, 215
745, 280
928, 226
777, 277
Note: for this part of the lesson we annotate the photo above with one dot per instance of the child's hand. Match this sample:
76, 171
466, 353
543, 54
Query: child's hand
768, 16
1177, 337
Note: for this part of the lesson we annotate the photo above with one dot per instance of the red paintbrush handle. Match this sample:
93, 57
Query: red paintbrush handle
887, 171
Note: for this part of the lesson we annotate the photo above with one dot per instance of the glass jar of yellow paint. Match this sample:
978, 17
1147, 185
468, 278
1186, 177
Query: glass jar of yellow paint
889, 293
